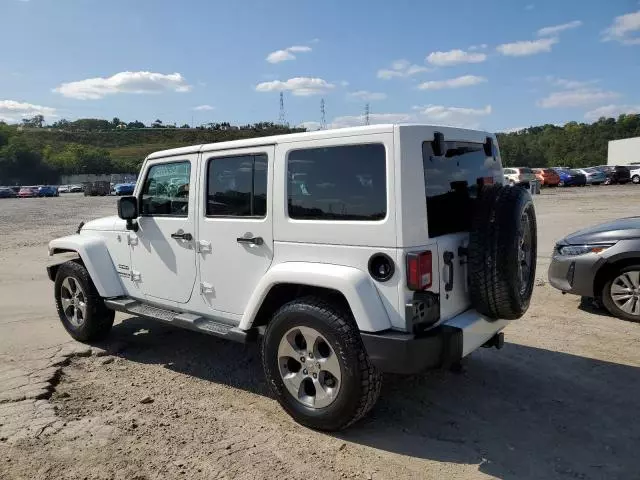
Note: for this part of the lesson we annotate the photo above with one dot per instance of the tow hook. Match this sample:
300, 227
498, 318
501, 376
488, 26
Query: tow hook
496, 341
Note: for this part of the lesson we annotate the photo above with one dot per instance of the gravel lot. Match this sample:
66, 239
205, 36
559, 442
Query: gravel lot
559, 401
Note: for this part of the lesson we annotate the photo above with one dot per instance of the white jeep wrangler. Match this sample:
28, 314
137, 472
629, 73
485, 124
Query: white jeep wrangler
347, 252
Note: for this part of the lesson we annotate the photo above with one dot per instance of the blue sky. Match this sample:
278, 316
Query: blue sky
497, 64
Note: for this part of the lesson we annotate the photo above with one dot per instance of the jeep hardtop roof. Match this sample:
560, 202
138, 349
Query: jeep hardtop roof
305, 136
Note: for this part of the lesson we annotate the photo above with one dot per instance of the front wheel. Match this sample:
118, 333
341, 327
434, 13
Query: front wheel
80, 307
317, 367
635, 179
621, 293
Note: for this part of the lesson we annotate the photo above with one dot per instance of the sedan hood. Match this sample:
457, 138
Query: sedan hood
105, 224
621, 229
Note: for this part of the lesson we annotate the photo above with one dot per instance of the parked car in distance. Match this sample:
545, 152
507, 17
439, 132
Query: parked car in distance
602, 262
47, 191
616, 174
547, 177
15, 188
634, 171
100, 187
594, 176
124, 189
570, 178
28, 192
6, 192
63, 189
75, 188
516, 175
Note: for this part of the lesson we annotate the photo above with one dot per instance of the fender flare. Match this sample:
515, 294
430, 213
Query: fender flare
357, 287
95, 255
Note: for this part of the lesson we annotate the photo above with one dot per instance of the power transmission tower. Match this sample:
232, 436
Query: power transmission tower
281, 118
323, 117
366, 114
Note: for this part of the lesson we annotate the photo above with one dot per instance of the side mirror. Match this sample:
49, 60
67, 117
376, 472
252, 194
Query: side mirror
128, 210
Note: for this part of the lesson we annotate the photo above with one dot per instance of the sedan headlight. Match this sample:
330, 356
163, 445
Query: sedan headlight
573, 250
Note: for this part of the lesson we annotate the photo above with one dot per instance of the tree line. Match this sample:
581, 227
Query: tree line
33, 152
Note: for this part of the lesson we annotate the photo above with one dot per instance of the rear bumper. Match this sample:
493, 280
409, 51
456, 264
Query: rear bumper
406, 353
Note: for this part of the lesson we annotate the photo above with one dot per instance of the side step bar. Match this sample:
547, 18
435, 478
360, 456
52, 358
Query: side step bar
185, 320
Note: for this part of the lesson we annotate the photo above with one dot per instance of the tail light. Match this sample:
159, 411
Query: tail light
419, 270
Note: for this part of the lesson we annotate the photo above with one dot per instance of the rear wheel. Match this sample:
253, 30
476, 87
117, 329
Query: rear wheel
635, 179
316, 365
80, 307
621, 293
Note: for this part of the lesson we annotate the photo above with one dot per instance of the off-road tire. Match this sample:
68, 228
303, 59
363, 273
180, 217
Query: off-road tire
361, 381
607, 301
99, 319
495, 286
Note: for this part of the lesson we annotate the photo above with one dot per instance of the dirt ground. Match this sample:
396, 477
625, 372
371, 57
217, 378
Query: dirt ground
558, 401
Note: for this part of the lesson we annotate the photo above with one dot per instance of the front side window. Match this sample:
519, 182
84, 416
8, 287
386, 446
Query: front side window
237, 186
165, 191
338, 183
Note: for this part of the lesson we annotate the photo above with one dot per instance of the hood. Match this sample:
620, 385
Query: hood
106, 223
621, 229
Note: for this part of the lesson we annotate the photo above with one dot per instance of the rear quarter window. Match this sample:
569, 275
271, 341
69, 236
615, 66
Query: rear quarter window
346, 182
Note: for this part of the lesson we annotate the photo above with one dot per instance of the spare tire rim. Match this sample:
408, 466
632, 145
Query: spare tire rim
309, 367
524, 253
74, 301
625, 292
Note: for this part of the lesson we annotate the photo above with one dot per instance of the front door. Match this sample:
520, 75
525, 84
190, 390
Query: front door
235, 226
163, 253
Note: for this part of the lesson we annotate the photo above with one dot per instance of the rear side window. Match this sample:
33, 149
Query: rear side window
452, 182
237, 186
337, 183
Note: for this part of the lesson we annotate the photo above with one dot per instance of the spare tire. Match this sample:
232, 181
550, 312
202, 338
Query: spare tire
502, 252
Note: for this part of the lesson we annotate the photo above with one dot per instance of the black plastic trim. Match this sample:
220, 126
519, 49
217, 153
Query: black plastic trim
405, 353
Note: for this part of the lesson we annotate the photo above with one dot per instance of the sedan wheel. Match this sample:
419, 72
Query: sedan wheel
636, 179
621, 294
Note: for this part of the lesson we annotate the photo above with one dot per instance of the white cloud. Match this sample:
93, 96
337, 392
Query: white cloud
203, 108
512, 129
12, 111
299, 86
454, 116
367, 96
530, 7
287, 54
555, 29
526, 47
374, 119
611, 111
311, 125
123, 82
481, 46
401, 68
576, 98
454, 57
571, 84
344, 83
624, 29
458, 82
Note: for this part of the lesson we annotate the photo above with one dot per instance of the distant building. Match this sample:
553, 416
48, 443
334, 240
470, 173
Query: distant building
624, 152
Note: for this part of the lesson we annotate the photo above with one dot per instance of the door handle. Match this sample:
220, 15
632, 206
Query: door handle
182, 236
251, 240
448, 261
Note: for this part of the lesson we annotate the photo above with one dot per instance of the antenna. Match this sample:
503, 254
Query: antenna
323, 117
366, 114
282, 119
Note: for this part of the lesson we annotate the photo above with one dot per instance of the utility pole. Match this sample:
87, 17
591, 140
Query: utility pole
323, 116
281, 118
366, 114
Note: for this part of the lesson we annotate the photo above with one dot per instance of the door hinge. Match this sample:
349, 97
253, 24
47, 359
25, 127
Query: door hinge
132, 239
135, 276
203, 246
206, 287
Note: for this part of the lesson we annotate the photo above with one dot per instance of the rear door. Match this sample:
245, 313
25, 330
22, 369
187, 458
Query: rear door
452, 182
235, 239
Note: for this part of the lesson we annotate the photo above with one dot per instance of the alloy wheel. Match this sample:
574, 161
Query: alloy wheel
74, 301
625, 292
